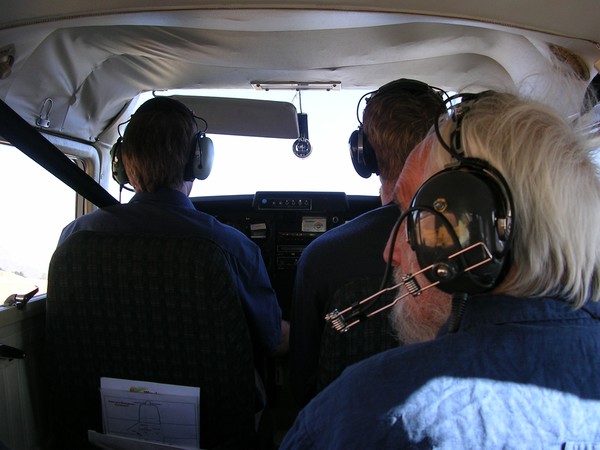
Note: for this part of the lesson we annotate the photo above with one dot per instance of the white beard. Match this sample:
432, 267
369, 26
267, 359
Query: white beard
418, 319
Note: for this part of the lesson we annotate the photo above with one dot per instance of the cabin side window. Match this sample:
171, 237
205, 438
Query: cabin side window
35, 207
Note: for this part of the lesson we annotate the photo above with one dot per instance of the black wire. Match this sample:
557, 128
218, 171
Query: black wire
203, 120
459, 304
388, 266
590, 313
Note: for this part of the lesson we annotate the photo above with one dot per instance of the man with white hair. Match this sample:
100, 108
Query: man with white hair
502, 206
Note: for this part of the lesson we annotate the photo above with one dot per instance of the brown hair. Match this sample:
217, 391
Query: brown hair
395, 120
157, 144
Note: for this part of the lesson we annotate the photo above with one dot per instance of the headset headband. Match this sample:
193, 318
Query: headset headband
414, 87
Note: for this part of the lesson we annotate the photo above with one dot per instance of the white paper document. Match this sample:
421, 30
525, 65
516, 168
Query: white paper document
108, 442
153, 412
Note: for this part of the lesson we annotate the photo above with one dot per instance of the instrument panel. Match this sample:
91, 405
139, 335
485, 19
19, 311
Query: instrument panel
282, 224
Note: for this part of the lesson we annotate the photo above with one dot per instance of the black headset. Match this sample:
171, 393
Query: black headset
362, 154
198, 166
464, 208
461, 220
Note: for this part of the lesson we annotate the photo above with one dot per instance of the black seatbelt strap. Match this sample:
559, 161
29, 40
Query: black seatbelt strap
27, 139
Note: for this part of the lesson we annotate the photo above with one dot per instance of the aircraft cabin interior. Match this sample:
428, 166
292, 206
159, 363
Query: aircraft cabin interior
278, 89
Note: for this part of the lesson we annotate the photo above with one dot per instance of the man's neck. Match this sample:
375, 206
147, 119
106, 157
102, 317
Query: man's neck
386, 193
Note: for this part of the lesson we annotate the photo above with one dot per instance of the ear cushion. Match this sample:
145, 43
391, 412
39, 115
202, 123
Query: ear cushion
118, 169
201, 159
454, 209
362, 154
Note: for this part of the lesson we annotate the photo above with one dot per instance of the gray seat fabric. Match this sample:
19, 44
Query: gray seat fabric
152, 309
374, 335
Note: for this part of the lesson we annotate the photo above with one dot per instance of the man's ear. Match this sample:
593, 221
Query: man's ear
186, 188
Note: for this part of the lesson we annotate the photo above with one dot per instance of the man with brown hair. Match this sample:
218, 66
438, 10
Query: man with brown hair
162, 152
345, 264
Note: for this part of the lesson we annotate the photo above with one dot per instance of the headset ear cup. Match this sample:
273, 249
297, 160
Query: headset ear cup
362, 155
410, 232
202, 158
118, 169
457, 208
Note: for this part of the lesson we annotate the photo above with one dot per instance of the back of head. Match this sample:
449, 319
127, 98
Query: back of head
157, 144
548, 165
396, 118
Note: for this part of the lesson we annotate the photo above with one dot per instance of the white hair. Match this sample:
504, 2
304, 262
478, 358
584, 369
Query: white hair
419, 319
549, 166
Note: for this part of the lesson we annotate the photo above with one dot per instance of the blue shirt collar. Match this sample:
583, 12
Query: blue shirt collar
502, 309
163, 196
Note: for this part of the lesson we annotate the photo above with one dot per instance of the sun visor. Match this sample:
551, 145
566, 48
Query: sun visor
245, 117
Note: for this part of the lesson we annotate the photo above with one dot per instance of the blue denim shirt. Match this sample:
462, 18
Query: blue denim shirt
340, 256
519, 373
